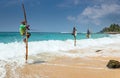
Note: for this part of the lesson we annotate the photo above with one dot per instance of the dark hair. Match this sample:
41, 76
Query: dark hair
23, 22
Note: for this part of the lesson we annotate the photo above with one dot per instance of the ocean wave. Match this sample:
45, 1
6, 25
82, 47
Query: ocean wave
15, 49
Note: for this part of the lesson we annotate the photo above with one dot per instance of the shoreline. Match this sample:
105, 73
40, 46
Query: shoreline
53, 66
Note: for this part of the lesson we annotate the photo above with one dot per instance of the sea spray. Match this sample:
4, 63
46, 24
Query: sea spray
2, 69
8, 67
17, 49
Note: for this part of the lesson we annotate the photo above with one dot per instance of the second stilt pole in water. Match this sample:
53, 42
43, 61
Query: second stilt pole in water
74, 33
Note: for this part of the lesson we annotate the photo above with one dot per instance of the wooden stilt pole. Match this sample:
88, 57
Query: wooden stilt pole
26, 33
74, 40
74, 33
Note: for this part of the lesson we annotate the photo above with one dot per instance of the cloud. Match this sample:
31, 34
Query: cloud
71, 18
96, 14
100, 11
105, 1
69, 3
75, 2
33, 3
10, 3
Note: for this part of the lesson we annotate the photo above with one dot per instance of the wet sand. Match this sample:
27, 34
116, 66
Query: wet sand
71, 67
66, 67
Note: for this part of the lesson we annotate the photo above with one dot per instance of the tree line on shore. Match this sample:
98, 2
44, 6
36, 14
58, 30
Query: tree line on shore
111, 28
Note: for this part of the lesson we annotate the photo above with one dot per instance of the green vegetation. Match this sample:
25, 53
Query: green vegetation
111, 28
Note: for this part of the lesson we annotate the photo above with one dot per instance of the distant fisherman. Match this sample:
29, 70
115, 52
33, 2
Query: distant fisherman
22, 30
74, 33
88, 33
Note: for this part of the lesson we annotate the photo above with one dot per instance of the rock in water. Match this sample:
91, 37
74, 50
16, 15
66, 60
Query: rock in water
113, 64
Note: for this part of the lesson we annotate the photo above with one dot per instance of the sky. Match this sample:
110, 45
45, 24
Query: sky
59, 15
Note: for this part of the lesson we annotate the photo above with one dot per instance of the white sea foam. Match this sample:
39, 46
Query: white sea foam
17, 49
11, 53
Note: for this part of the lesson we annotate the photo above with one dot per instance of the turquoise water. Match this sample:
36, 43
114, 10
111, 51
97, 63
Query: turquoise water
7, 37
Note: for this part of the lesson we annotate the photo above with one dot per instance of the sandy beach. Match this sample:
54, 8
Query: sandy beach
71, 67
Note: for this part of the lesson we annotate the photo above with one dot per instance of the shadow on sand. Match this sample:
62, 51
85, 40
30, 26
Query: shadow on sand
37, 62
